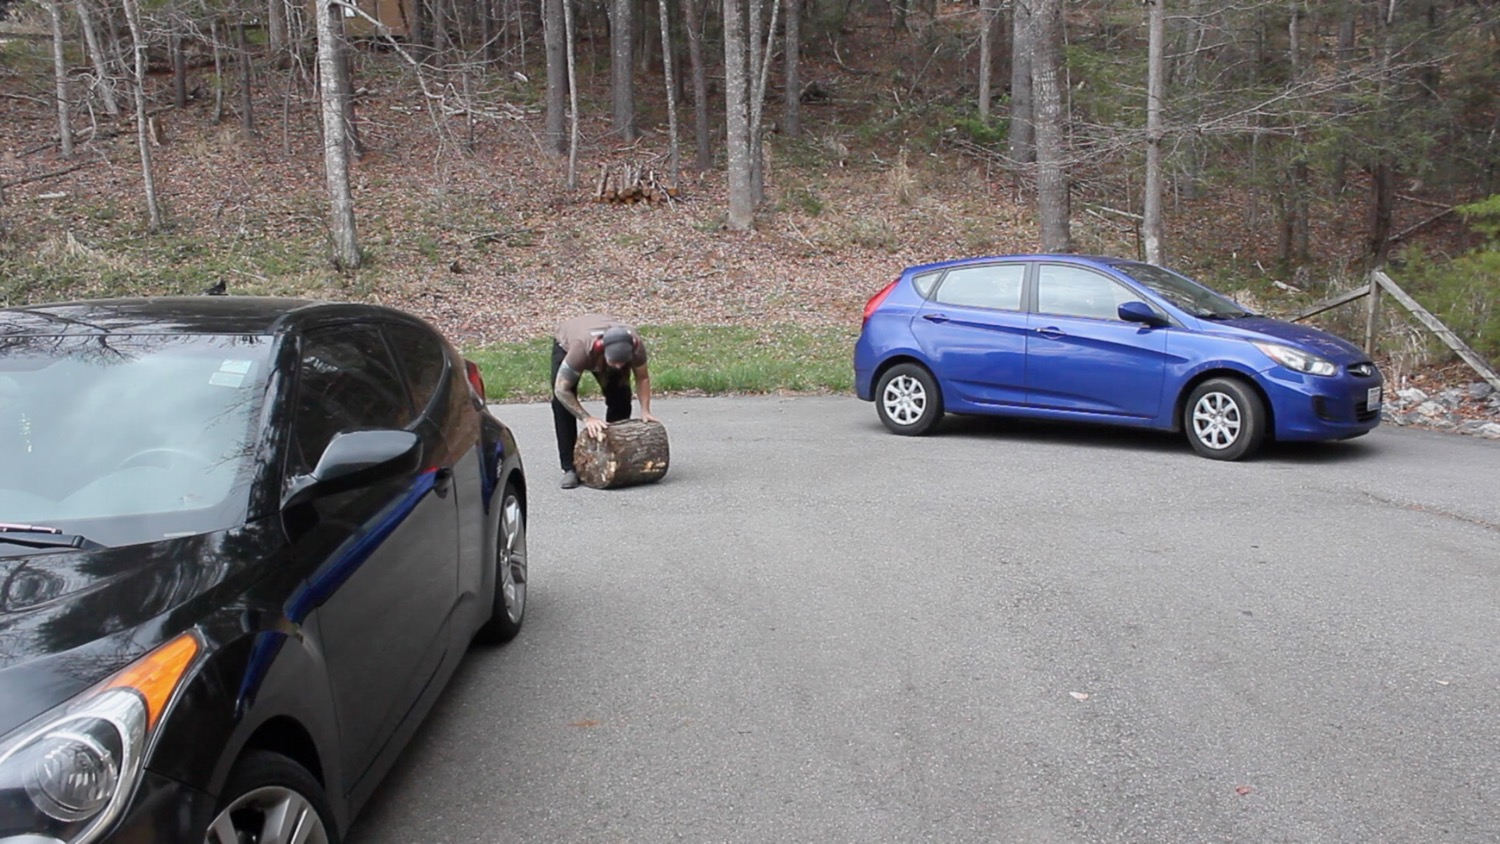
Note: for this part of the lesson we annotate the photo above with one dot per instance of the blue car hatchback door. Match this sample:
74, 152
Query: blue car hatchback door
1105, 340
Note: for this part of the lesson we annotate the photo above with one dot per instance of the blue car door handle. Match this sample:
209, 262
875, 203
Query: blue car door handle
935, 317
1051, 331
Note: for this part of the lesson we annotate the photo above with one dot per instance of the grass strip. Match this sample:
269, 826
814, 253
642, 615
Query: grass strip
715, 359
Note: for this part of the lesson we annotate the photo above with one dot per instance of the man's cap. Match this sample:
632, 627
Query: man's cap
619, 345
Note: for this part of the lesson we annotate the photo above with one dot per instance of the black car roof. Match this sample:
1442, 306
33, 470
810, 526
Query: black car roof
183, 315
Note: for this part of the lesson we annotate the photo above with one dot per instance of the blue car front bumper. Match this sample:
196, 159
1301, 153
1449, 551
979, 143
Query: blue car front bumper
1312, 407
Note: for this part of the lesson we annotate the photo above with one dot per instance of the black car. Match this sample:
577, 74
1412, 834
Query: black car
244, 542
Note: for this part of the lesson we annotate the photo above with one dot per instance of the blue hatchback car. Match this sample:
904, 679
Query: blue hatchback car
1109, 340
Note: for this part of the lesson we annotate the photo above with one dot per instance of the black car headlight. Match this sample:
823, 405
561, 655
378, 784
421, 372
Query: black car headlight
67, 775
1297, 360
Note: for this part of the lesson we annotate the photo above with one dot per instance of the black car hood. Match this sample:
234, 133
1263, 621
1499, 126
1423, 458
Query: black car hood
70, 619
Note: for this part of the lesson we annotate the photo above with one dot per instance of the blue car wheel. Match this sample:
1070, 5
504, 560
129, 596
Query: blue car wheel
1224, 419
908, 400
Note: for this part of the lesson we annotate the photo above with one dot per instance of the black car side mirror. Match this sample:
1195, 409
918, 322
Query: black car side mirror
355, 459
1142, 313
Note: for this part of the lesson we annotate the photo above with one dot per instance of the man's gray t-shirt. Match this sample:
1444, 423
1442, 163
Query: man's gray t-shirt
582, 353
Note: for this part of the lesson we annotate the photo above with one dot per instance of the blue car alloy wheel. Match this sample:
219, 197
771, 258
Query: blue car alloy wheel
1074, 338
909, 402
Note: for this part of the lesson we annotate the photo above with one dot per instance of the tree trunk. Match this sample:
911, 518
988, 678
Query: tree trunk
671, 83
105, 81
568, 35
986, 58
60, 79
1382, 204
1022, 113
276, 25
213, 38
791, 72
143, 139
737, 118
760, 72
242, 54
557, 75
335, 143
1151, 223
1341, 101
702, 159
345, 81
179, 70
631, 452
1051, 138
622, 73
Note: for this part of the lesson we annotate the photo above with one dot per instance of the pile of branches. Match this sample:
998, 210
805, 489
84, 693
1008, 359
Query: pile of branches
632, 184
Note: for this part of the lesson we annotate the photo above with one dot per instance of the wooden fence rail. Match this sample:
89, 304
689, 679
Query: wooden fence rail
1378, 282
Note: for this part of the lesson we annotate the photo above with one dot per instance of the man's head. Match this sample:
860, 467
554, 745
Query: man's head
619, 346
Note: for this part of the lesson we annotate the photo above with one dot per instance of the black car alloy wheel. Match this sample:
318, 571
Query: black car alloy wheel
270, 799
510, 572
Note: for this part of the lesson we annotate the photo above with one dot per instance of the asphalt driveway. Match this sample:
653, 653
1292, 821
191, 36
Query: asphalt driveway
812, 630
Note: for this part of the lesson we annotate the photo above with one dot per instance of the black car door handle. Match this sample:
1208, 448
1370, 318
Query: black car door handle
1051, 331
442, 480
935, 317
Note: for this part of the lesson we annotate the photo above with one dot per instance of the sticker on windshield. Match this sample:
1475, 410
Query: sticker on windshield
226, 379
237, 367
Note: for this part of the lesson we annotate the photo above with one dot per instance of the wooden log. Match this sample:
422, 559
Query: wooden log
631, 452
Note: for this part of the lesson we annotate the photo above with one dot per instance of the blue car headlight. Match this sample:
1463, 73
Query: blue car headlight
1297, 360
66, 776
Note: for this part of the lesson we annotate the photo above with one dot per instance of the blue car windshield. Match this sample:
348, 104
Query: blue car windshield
1186, 294
127, 439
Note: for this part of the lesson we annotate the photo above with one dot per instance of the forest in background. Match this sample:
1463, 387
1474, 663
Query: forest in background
761, 160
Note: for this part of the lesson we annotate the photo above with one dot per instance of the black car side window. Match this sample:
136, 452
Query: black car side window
347, 381
422, 359
990, 286
1077, 292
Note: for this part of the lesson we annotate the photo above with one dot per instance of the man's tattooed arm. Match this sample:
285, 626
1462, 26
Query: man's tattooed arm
566, 390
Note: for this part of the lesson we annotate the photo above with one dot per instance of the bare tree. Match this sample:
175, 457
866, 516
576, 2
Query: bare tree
671, 82
737, 118
572, 96
1051, 154
242, 56
276, 26
1151, 225
138, 90
60, 77
179, 67
103, 79
987, 18
621, 72
553, 32
760, 70
702, 160
1022, 128
345, 244
792, 116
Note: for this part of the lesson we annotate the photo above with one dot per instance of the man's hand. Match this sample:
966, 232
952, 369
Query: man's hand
594, 427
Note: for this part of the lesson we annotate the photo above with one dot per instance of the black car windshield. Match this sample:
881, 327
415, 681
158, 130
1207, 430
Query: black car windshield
1186, 294
128, 439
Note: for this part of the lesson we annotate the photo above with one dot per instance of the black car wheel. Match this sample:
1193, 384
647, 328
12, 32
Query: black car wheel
510, 572
1224, 419
269, 799
908, 400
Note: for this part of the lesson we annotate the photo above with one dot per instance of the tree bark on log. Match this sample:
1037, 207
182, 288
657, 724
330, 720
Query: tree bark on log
631, 452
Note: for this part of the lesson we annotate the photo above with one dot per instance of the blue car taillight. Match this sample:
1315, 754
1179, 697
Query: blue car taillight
874, 302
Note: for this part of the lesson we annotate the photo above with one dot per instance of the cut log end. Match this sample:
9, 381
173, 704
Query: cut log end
631, 452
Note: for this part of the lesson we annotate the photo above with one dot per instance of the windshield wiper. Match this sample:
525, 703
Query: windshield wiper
41, 536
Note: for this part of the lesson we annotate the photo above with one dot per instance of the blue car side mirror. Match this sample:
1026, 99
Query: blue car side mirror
1142, 313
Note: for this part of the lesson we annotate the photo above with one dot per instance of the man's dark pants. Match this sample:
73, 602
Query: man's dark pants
616, 386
